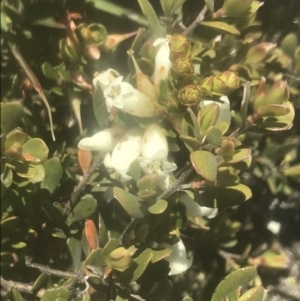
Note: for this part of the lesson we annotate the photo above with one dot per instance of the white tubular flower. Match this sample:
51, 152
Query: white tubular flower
162, 61
104, 79
194, 210
224, 105
103, 141
123, 96
126, 151
154, 151
178, 260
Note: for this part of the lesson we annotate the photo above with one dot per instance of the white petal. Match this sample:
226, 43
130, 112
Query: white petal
224, 105
138, 104
104, 79
145, 165
195, 210
154, 143
104, 141
126, 151
178, 260
162, 61
168, 166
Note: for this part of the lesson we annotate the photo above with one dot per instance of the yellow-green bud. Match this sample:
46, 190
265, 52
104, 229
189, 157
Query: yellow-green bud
189, 95
222, 84
179, 46
183, 66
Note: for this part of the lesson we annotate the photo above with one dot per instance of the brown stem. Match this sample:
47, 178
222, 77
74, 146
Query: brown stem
21, 287
196, 22
78, 189
47, 270
178, 183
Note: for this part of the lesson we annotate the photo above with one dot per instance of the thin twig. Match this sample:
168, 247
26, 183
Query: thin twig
196, 22
21, 287
78, 189
34, 81
45, 269
241, 130
177, 184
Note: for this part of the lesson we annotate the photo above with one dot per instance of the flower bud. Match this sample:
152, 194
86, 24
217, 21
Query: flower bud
114, 40
183, 66
179, 46
189, 95
221, 84
92, 52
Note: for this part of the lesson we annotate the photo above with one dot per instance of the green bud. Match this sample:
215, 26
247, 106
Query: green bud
94, 34
221, 84
189, 95
183, 66
179, 46
260, 94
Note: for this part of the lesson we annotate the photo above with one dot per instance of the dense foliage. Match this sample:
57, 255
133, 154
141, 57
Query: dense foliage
150, 152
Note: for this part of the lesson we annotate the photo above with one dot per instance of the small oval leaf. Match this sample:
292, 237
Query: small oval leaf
205, 164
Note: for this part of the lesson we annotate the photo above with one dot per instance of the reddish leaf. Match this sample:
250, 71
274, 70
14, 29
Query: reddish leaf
91, 234
84, 159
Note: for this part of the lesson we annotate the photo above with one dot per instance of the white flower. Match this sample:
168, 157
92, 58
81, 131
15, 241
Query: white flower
154, 151
162, 61
224, 105
103, 141
125, 152
104, 79
178, 260
123, 96
194, 210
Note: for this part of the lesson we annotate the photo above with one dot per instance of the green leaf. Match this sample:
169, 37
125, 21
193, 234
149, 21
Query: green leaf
160, 254
108, 248
158, 207
171, 6
221, 26
74, 247
40, 282
15, 295
293, 172
241, 156
142, 262
86, 206
133, 205
119, 11
205, 164
210, 5
16, 135
150, 14
273, 110
148, 182
49, 71
6, 176
40, 174
10, 223
236, 8
36, 148
95, 258
191, 143
224, 197
53, 294
209, 116
254, 294
53, 174
213, 136
234, 280
11, 114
